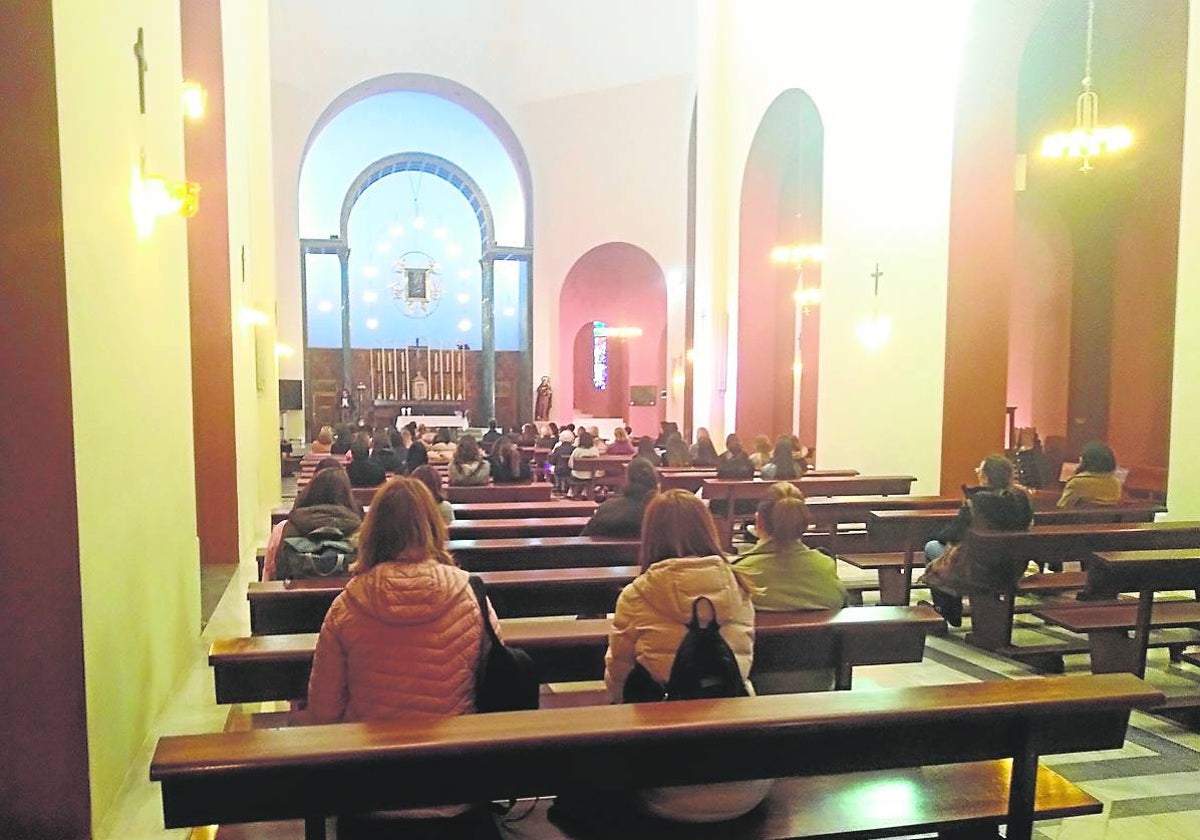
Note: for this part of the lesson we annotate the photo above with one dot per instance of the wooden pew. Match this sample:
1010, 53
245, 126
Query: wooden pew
897, 538
991, 613
495, 555
311, 772
730, 491
258, 668
299, 606
1108, 626
552, 526
539, 492
512, 510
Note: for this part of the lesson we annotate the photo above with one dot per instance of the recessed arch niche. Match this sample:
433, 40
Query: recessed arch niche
780, 205
619, 285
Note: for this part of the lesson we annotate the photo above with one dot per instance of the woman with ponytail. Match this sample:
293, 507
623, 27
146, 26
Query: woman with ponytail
790, 575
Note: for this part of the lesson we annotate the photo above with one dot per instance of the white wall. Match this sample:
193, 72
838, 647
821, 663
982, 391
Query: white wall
1183, 490
883, 76
599, 96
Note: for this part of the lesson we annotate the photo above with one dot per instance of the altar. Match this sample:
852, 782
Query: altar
419, 384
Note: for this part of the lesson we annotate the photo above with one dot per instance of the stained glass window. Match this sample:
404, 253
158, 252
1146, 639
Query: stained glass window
599, 357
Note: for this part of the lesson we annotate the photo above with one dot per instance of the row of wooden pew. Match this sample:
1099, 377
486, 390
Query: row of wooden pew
834, 749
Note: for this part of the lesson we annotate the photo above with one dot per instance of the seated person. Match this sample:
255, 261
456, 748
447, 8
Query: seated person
620, 444
547, 437
441, 451
428, 476
706, 454
417, 456
761, 456
734, 462
681, 559
1095, 482
621, 515
998, 504
560, 460
528, 436
647, 450
702, 434
325, 502
491, 435
783, 462
597, 441
342, 440
323, 442
468, 468
509, 465
363, 472
581, 479
678, 454
383, 454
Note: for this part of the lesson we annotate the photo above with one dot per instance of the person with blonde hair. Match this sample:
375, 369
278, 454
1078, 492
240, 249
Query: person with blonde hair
788, 574
620, 444
323, 442
681, 561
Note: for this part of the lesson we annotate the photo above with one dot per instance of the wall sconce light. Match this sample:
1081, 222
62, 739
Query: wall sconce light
251, 317
284, 351
153, 196
618, 332
797, 255
195, 100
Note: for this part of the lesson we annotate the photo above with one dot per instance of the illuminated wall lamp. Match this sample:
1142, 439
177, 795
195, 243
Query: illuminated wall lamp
798, 254
195, 100
153, 196
618, 332
251, 317
284, 351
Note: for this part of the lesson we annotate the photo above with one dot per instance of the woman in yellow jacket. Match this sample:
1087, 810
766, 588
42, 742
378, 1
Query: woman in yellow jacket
681, 561
1095, 483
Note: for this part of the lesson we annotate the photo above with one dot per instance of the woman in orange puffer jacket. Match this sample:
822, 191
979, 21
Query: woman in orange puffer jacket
404, 637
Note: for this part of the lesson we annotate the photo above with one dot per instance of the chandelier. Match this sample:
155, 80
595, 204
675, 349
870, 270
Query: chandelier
1088, 139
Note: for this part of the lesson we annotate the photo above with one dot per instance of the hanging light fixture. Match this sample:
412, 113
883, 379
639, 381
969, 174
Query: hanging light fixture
1088, 139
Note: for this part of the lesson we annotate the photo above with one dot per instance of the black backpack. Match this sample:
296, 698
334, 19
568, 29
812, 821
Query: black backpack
507, 680
323, 552
704, 666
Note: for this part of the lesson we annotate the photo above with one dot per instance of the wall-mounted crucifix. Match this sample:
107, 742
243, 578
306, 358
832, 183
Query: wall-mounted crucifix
139, 52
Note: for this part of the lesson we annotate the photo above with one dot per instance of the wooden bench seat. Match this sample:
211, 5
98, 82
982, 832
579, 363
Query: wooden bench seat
551, 526
494, 555
259, 668
905, 531
311, 772
515, 510
814, 806
299, 606
537, 492
1107, 627
728, 492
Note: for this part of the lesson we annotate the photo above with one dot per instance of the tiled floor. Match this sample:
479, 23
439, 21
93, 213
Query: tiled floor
1151, 787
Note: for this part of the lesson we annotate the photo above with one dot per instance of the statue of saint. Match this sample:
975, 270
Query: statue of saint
420, 387
544, 401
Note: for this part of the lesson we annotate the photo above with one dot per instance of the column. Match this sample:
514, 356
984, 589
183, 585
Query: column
344, 264
487, 323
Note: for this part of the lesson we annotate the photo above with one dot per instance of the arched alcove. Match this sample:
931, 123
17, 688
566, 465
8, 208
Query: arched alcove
778, 342
1098, 249
404, 168
619, 285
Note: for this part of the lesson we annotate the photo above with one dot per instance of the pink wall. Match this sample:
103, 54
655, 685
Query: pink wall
621, 285
780, 204
1040, 319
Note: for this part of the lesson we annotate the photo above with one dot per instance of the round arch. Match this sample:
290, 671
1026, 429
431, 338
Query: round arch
446, 89
432, 165
778, 343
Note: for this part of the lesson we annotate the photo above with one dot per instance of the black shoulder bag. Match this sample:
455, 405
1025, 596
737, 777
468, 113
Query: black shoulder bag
507, 680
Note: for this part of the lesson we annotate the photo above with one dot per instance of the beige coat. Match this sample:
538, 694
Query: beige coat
653, 611
402, 639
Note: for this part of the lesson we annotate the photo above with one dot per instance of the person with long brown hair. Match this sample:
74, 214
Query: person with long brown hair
468, 467
509, 466
325, 502
428, 476
403, 638
681, 561
789, 575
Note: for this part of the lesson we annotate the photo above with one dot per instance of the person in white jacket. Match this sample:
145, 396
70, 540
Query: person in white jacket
681, 560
